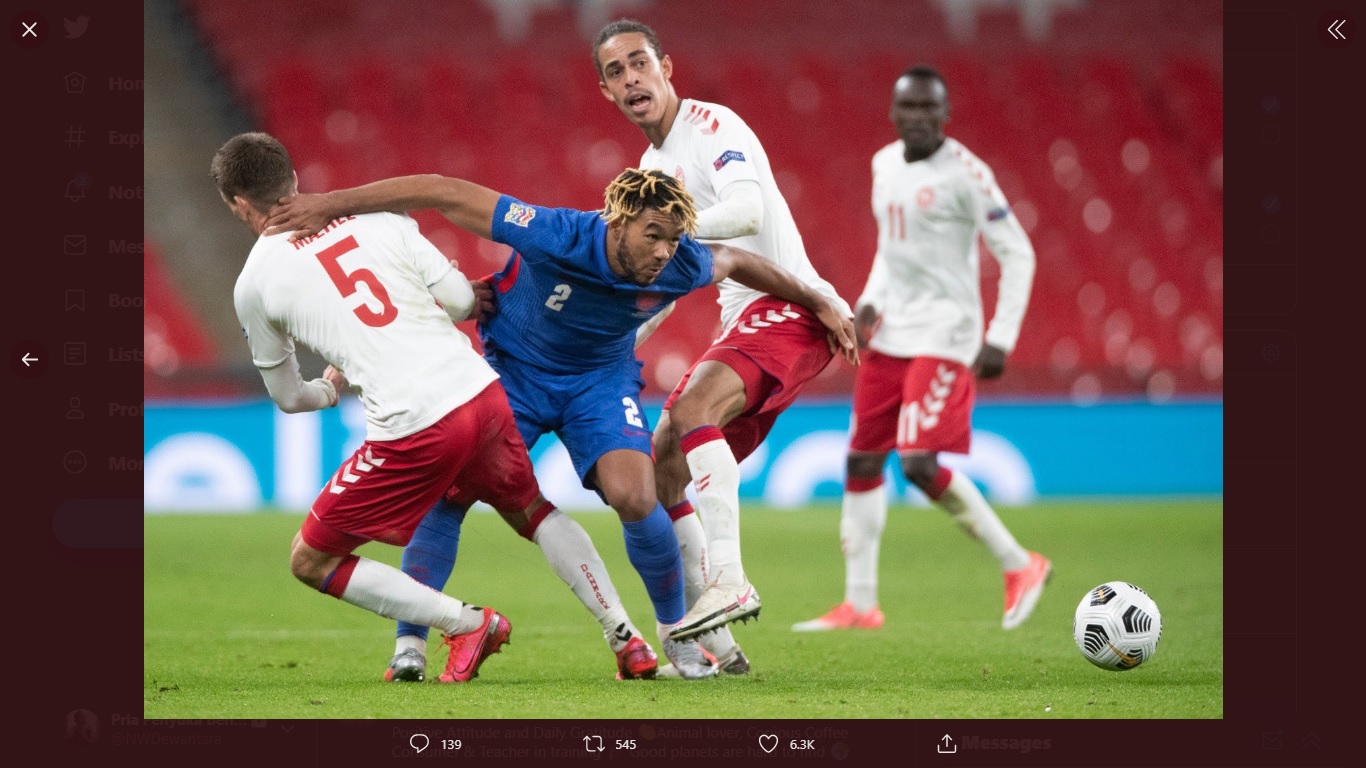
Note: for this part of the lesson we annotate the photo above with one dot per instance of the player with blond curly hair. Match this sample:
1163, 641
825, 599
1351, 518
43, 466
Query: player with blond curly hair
570, 299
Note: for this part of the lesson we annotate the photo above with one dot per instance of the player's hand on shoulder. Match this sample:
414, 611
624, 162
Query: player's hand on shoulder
990, 362
304, 215
485, 300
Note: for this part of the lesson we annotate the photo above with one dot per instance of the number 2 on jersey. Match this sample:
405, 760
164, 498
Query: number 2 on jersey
632, 413
347, 283
559, 297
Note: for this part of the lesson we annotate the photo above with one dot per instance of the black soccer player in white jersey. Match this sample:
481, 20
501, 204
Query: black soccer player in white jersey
921, 320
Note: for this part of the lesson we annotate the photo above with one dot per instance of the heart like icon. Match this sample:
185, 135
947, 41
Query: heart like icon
768, 742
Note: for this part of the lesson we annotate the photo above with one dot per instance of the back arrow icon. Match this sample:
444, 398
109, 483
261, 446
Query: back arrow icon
1334, 29
28, 361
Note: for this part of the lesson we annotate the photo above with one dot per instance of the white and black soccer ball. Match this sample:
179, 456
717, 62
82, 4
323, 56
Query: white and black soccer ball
1117, 626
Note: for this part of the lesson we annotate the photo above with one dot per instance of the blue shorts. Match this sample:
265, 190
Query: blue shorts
592, 412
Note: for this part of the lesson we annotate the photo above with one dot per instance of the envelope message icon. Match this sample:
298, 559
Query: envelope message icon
73, 245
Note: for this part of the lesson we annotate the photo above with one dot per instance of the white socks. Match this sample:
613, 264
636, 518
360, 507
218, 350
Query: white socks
576, 561
393, 594
716, 477
692, 543
405, 642
962, 500
862, 518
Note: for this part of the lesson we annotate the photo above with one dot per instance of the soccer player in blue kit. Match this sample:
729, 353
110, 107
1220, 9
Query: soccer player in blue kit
569, 301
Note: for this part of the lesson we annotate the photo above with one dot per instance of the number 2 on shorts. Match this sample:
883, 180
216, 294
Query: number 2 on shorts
632, 413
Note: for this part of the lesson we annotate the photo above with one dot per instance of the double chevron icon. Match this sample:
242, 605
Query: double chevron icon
755, 321
345, 475
924, 415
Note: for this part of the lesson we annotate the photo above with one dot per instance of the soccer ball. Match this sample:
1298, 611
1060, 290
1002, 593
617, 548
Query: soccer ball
1117, 626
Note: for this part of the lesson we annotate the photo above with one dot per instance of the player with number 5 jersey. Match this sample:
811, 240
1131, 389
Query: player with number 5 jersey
570, 299
363, 292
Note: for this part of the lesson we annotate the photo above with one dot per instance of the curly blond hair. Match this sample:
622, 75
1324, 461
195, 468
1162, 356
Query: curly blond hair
635, 190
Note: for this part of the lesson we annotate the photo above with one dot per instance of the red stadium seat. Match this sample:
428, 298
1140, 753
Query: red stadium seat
1105, 136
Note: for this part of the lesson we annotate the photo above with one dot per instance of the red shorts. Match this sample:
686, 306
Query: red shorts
775, 350
912, 404
385, 489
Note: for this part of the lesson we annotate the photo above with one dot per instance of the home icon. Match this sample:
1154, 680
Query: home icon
75, 82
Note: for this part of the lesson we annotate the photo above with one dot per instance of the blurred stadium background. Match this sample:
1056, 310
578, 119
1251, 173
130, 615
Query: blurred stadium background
1101, 119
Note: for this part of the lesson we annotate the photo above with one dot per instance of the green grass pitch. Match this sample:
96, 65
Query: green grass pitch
228, 633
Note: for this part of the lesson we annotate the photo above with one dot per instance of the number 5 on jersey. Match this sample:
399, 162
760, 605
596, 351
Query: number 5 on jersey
348, 282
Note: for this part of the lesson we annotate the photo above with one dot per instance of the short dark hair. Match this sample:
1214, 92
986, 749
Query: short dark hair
925, 71
255, 166
624, 27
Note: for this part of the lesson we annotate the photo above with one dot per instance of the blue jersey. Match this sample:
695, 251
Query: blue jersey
560, 306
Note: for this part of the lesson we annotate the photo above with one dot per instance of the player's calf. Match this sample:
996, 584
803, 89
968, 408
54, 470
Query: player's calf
311, 566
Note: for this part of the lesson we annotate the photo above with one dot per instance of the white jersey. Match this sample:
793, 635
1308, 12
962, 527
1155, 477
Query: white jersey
709, 147
925, 279
356, 293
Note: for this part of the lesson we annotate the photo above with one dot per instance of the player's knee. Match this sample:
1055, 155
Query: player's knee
680, 413
864, 465
632, 502
920, 469
691, 410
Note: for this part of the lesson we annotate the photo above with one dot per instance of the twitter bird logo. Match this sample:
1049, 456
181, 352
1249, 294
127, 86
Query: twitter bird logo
75, 29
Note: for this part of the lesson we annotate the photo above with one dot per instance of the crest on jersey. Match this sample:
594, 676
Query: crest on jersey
726, 157
647, 303
519, 214
925, 197
678, 174
996, 214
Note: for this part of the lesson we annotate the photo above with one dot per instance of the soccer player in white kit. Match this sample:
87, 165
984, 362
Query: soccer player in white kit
363, 292
921, 320
725, 405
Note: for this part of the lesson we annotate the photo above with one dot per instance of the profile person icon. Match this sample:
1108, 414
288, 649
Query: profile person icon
74, 409
82, 726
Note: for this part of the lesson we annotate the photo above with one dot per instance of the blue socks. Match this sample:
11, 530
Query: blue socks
652, 548
430, 556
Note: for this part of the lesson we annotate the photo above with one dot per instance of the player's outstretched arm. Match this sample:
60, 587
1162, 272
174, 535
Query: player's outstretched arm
466, 204
756, 272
